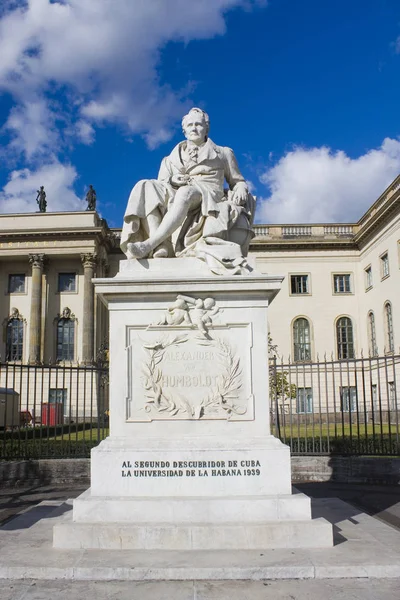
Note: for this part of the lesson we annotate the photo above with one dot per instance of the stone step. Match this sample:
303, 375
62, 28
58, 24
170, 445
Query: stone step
315, 533
243, 509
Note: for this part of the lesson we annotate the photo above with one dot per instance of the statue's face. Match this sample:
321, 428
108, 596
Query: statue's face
195, 128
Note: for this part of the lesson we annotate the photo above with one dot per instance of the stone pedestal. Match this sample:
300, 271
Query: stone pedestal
190, 462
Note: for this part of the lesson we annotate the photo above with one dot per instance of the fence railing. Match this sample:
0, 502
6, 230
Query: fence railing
337, 406
52, 411
323, 407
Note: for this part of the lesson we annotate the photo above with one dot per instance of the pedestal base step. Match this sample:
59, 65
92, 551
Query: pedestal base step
229, 509
315, 533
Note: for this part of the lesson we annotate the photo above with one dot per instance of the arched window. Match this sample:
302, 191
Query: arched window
15, 338
389, 327
301, 339
345, 338
373, 348
65, 339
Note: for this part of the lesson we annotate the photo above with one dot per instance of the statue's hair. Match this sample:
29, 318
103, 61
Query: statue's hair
203, 114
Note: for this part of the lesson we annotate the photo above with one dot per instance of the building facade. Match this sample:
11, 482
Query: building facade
340, 295
340, 299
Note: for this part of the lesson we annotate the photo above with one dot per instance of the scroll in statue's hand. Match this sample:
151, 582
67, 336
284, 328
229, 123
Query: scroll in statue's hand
240, 193
179, 180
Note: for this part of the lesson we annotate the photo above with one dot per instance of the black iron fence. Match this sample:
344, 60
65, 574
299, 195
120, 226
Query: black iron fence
52, 411
323, 407
337, 407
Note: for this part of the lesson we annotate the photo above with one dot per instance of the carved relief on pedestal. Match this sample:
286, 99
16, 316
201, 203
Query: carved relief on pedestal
177, 370
223, 396
192, 312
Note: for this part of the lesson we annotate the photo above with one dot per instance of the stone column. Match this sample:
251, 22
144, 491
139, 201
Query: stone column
89, 264
37, 262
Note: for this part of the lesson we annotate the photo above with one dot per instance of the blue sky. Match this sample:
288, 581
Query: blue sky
306, 92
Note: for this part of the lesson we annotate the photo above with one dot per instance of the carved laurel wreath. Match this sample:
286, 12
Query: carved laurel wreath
219, 401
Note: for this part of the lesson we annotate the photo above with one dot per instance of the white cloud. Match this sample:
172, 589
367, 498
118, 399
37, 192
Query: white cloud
31, 126
19, 194
103, 56
314, 185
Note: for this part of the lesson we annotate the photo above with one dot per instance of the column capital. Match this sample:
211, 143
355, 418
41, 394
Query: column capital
89, 260
37, 260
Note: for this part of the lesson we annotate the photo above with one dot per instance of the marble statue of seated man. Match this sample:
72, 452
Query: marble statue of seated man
188, 196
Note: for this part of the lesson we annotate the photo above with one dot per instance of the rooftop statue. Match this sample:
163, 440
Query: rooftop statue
41, 199
91, 198
188, 197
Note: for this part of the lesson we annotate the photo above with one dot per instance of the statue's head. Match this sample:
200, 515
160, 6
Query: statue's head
196, 125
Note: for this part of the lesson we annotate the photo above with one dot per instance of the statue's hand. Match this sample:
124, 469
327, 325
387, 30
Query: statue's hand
240, 193
179, 180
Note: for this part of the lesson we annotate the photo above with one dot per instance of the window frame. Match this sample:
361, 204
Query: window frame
371, 328
345, 292
389, 329
351, 398
384, 264
299, 345
59, 290
24, 292
307, 401
308, 280
341, 344
392, 395
64, 399
71, 341
369, 281
12, 356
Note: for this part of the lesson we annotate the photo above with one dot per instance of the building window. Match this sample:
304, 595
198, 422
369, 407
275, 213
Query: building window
348, 399
345, 338
385, 265
374, 395
389, 327
15, 339
304, 400
65, 339
301, 340
368, 278
341, 284
373, 348
299, 284
16, 284
392, 396
67, 282
59, 396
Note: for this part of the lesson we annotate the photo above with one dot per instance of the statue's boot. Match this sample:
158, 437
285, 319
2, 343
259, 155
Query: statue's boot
138, 250
164, 250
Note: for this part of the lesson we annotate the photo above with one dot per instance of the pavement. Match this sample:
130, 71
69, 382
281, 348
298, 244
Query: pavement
364, 564
334, 589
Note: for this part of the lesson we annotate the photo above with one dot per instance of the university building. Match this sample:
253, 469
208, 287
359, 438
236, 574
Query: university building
340, 296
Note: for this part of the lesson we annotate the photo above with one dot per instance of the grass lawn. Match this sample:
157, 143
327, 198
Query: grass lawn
323, 430
93, 435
